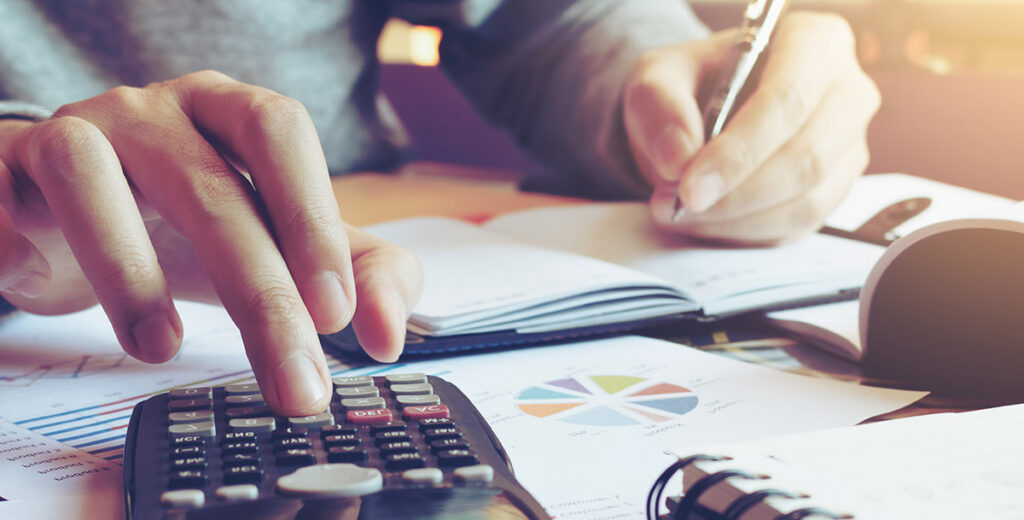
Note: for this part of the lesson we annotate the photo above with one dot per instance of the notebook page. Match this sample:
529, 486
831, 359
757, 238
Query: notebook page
473, 274
945, 466
622, 233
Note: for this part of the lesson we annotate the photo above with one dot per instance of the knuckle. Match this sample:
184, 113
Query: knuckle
67, 142
204, 77
274, 303
812, 169
792, 100
214, 194
126, 273
734, 156
276, 114
308, 219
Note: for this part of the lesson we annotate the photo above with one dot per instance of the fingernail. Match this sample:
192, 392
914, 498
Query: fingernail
669, 150
156, 338
298, 382
332, 308
31, 285
704, 190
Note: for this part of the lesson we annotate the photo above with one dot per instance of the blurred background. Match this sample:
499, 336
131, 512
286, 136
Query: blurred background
951, 73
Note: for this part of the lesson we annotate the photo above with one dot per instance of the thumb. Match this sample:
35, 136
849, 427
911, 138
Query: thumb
661, 114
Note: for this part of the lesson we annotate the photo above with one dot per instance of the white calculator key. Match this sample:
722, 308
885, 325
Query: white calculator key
249, 388
428, 476
481, 473
406, 378
418, 400
363, 403
350, 381
183, 498
190, 417
413, 389
358, 391
331, 480
238, 492
254, 424
191, 393
313, 421
202, 429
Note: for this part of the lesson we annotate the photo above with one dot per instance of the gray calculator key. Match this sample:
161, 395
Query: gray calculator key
190, 417
481, 473
244, 399
413, 389
363, 403
313, 421
183, 498
202, 429
351, 381
358, 391
331, 480
238, 492
406, 378
418, 400
252, 424
248, 388
429, 476
191, 393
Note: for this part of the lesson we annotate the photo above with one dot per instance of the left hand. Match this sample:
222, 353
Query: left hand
785, 159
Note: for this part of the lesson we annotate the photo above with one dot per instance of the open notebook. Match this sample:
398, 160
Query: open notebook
543, 271
939, 467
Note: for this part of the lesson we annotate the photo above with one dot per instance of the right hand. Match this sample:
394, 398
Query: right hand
136, 194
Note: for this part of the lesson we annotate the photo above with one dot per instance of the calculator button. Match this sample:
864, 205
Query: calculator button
247, 411
427, 476
288, 443
400, 461
243, 474
387, 427
187, 405
312, 421
256, 424
197, 463
191, 393
383, 437
426, 424
203, 429
250, 388
240, 447
289, 431
186, 441
406, 378
352, 381
436, 434
363, 403
342, 440
451, 458
418, 400
390, 448
368, 416
448, 444
241, 458
188, 451
188, 478
190, 417
346, 454
244, 400
341, 480
480, 473
338, 429
412, 389
238, 492
358, 391
192, 498
418, 413
296, 457
237, 436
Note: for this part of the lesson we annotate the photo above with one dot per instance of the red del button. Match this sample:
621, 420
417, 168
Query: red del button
368, 416
434, 411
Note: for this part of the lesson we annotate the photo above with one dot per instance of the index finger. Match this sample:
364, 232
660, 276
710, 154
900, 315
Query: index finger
800, 70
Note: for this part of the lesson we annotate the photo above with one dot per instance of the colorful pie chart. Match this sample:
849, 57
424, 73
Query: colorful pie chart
607, 400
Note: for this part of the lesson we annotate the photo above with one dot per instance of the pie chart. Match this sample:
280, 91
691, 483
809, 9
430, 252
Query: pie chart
606, 400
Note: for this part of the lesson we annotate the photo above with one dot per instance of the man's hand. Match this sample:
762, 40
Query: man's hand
208, 189
787, 157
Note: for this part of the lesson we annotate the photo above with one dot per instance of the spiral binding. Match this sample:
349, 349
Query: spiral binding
736, 509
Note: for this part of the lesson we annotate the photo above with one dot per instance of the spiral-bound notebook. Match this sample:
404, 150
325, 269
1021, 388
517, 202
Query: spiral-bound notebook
936, 467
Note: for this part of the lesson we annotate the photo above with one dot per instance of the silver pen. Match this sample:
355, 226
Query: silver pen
759, 22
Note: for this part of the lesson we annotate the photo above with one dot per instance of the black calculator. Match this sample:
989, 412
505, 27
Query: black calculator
402, 447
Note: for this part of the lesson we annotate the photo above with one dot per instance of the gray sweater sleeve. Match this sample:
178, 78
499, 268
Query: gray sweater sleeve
551, 72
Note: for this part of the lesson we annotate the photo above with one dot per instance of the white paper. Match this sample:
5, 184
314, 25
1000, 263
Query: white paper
833, 327
578, 468
721, 279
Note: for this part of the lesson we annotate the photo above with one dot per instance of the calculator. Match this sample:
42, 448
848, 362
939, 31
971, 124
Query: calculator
401, 446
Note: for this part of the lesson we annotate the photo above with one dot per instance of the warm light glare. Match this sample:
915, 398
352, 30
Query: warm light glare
423, 43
